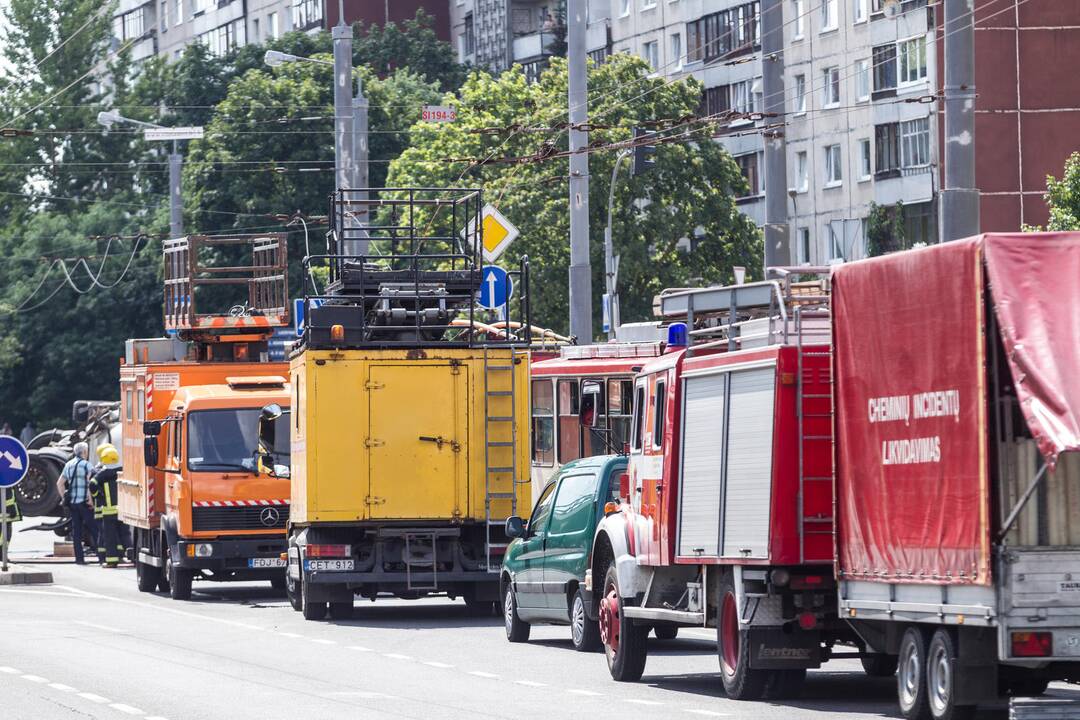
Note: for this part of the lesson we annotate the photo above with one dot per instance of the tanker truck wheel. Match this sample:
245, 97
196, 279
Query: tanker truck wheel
625, 644
741, 682
37, 494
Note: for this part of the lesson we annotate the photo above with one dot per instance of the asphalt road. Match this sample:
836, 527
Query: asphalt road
91, 646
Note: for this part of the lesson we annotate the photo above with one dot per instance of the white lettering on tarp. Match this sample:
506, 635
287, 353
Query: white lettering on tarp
890, 409
911, 451
942, 403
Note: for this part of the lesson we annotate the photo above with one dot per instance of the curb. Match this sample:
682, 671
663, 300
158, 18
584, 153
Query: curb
26, 577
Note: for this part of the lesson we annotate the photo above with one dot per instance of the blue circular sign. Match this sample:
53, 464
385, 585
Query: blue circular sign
14, 462
496, 287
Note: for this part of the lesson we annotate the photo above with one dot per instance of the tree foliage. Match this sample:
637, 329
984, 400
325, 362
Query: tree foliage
885, 229
674, 226
1063, 197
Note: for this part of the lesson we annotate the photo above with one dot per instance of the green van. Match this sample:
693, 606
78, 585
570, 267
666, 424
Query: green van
543, 572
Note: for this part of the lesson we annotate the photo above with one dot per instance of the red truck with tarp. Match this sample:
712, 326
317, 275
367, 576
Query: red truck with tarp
957, 484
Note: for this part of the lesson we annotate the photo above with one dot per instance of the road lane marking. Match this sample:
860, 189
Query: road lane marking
362, 694
95, 626
35, 678
480, 673
290, 635
586, 693
530, 683
642, 702
359, 648
155, 717
436, 664
324, 642
707, 713
61, 687
10, 670
398, 656
93, 698
126, 709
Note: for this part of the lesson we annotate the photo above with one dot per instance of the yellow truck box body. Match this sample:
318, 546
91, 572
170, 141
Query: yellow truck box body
400, 435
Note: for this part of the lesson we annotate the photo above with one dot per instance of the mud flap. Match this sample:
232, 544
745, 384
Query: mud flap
771, 648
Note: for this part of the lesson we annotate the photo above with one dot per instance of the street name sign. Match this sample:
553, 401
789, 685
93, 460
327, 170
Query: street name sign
177, 133
14, 462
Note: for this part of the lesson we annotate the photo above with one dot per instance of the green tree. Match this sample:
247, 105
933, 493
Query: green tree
885, 229
675, 225
412, 45
1063, 198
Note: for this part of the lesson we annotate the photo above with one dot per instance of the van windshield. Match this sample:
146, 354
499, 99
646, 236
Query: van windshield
220, 440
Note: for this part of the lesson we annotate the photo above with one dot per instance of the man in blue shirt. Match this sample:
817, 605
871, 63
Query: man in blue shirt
74, 487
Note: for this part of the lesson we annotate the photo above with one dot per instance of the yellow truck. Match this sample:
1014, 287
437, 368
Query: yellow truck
409, 415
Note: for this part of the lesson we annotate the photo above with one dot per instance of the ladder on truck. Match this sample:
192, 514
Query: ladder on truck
815, 410
500, 447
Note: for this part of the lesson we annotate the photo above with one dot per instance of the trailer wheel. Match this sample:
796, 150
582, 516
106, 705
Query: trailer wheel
625, 644
942, 672
312, 610
879, 664
911, 687
517, 630
740, 681
584, 633
666, 632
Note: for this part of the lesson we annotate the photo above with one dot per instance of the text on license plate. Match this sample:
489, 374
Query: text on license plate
266, 562
329, 564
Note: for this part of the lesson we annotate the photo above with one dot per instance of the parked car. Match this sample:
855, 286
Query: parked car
543, 572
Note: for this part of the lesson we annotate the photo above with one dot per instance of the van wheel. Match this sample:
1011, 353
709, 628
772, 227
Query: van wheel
740, 681
942, 672
624, 643
584, 633
666, 632
312, 610
911, 688
517, 630
879, 664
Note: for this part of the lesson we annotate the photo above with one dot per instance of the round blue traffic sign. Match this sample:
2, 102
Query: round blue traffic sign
14, 461
496, 287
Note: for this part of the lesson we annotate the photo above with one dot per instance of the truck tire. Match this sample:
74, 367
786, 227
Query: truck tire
278, 583
741, 682
879, 664
341, 610
584, 633
179, 580
911, 688
146, 576
292, 591
942, 673
37, 494
666, 632
517, 630
312, 610
625, 644
785, 684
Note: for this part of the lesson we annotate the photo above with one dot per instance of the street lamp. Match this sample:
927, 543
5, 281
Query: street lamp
611, 261
275, 58
108, 118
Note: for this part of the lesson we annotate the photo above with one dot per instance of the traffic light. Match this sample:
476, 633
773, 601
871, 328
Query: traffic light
643, 154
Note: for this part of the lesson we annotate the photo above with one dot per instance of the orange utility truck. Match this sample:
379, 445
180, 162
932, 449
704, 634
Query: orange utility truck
191, 487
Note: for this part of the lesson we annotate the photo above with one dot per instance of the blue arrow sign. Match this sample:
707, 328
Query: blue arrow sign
14, 462
299, 314
496, 287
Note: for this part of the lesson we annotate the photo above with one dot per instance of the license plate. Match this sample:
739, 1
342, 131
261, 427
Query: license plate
266, 563
332, 565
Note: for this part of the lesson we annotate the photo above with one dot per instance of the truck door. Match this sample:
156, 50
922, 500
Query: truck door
418, 450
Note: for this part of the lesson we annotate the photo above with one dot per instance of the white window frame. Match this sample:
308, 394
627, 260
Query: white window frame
675, 45
802, 237
863, 81
802, 171
273, 26
836, 242
834, 170
866, 159
832, 83
625, 8
901, 61
800, 94
648, 4
915, 139
862, 11
830, 12
651, 52
178, 13
800, 20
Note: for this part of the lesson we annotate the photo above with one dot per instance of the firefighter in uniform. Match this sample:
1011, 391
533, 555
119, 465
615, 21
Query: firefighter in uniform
103, 491
11, 509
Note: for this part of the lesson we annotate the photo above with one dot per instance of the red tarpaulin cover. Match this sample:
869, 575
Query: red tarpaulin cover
1035, 285
911, 475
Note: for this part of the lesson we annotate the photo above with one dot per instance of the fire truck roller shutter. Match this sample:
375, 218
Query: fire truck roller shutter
749, 463
702, 465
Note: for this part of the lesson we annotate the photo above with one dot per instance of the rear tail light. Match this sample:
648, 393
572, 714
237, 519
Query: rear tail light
1032, 644
806, 582
807, 621
328, 551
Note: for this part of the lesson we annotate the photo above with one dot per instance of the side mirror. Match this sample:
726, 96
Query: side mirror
271, 412
150, 451
515, 527
267, 426
624, 487
590, 403
151, 428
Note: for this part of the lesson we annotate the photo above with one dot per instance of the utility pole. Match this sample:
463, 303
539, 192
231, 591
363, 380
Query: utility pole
580, 272
960, 197
344, 173
777, 227
361, 178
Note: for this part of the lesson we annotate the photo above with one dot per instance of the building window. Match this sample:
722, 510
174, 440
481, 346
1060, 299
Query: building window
533, 69
468, 39
716, 100
920, 225
799, 19
802, 171
832, 87
255, 36
800, 94
862, 80
201, 6
651, 52
648, 4
695, 51
866, 167
884, 59
129, 26
273, 29
803, 234
178, 13
224, 39
829, 19
748, 165
307, 13
600, 55
834, 174
163, 21
912, 60
887, 150
860, 10
745, 96
720, 33
915, 143
676, 50
624, 8
836, 242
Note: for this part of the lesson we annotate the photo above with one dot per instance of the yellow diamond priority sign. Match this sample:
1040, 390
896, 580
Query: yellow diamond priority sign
497, 233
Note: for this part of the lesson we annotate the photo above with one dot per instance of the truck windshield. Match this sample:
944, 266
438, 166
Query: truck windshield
227, 439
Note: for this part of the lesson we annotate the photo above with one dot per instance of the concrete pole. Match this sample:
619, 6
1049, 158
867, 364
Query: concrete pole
361, 178
581, 310
343, 114
777, 229
176, 201
960, 197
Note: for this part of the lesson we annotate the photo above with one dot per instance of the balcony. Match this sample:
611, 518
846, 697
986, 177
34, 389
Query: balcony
532, 46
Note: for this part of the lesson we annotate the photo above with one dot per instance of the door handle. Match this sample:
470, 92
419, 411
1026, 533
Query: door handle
439, 440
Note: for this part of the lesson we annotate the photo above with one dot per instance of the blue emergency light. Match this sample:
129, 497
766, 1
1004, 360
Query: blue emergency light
676, 335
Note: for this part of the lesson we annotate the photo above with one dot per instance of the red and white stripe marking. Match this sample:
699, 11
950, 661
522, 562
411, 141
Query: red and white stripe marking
149, 390
236, 503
